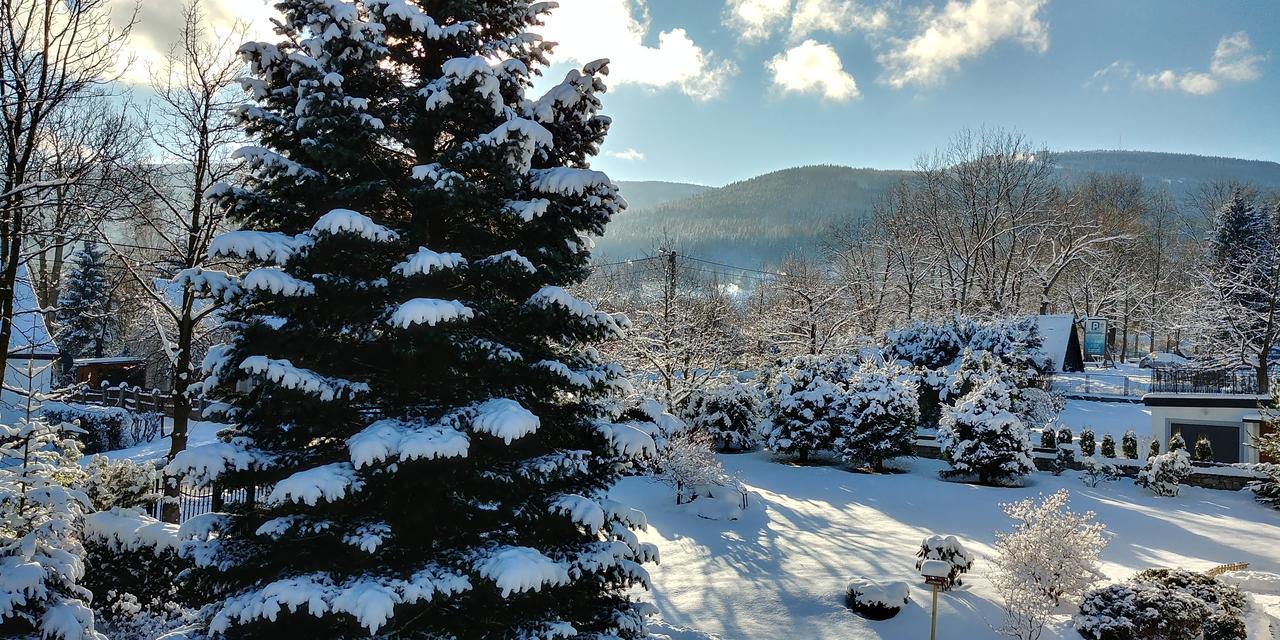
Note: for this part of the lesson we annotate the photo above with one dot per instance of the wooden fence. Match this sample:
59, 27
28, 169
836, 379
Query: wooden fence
134, 399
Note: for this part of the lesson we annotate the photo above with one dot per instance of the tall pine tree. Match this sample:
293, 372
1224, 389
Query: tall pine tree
88, 323
422, 397
1241, 309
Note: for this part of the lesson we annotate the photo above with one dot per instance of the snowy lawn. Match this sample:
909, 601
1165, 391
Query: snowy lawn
1105, 417
780, 572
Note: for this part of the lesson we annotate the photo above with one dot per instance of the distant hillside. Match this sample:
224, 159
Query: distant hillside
651, 193
758, 221
752, 221
1177, 172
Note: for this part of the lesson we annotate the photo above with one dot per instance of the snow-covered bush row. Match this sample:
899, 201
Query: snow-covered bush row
105, 428
947, 549
1164, 603
1014, 342
730, 413
133, 569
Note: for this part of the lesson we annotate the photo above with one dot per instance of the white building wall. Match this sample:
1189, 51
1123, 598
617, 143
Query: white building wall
1162, 417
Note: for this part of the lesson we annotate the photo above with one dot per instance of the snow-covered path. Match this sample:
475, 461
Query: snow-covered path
780, 572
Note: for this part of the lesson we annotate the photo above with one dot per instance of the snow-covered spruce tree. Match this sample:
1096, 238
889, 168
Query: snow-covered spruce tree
1203, 451
1088, 444
1177, 442
730, 413
88, 324
883, 412
1129, 444
41, 556
1108, 446
983, 440
805, 409
423, 398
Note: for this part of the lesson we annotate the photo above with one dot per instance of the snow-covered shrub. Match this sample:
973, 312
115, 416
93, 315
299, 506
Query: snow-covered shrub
805, 409
1108, 446
730, 413
1165, 472
1088, 443
1052, 550
105, 428
1036, 407
982, 439
1065, 436
653, 418
929, 345
1140, 612
121, 483
133, 569
1164, 603
41, 556
1153, 449
974, 369
1129, 443
883, 412
688, 464
930, 384
1204, 450
1049, 438
1096, 472
876, 600
949, 550
1177, 442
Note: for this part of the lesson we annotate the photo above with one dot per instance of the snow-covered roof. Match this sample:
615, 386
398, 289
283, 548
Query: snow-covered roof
113, 360
1056, 331
30, 336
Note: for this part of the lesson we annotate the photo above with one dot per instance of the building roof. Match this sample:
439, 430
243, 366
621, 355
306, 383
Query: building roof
1056, 331
30, 336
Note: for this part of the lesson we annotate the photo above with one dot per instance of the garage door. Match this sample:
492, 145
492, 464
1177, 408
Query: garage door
1225, 439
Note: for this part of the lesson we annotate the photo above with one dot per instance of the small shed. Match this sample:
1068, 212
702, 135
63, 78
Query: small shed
33, 355
1062, 342
98, 372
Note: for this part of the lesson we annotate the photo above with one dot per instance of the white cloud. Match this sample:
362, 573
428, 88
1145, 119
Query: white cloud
629, 154
1233, 61
159, 25
962, 30
756, 19
587, 30
811, 67
761, 19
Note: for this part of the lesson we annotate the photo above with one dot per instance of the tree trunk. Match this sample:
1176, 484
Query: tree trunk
181, 413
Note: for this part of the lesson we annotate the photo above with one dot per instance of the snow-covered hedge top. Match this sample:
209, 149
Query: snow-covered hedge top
130, 530
869, 593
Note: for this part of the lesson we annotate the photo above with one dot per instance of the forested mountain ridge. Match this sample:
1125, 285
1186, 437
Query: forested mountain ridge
644, 194
760, 220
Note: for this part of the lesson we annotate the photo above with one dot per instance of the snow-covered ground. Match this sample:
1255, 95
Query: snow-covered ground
780, 571
1106, 417
198, 433
1126, 379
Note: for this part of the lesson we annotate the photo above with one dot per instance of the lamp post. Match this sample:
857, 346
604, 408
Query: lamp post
935, 574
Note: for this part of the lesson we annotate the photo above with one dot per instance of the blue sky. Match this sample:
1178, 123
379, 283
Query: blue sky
1157, 88
713, 91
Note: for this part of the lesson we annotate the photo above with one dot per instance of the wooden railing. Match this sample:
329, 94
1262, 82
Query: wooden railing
134, 399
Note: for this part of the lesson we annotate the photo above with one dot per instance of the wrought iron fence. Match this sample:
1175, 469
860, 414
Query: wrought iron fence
193, 502
1197, 380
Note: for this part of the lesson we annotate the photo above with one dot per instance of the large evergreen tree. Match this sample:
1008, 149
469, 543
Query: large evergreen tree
1241, 306
424, 401
88, 323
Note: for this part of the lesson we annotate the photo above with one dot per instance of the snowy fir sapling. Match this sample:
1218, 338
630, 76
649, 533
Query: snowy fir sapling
1088, 442
1177, 442
984, 440
1108, 446
407, 373
1153, 449
1129, 443
1204, 450
1065, 436
41, 514
1049, 438
883, 411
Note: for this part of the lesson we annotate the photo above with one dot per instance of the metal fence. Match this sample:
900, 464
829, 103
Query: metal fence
1099, 385
1196, 380
193, 502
